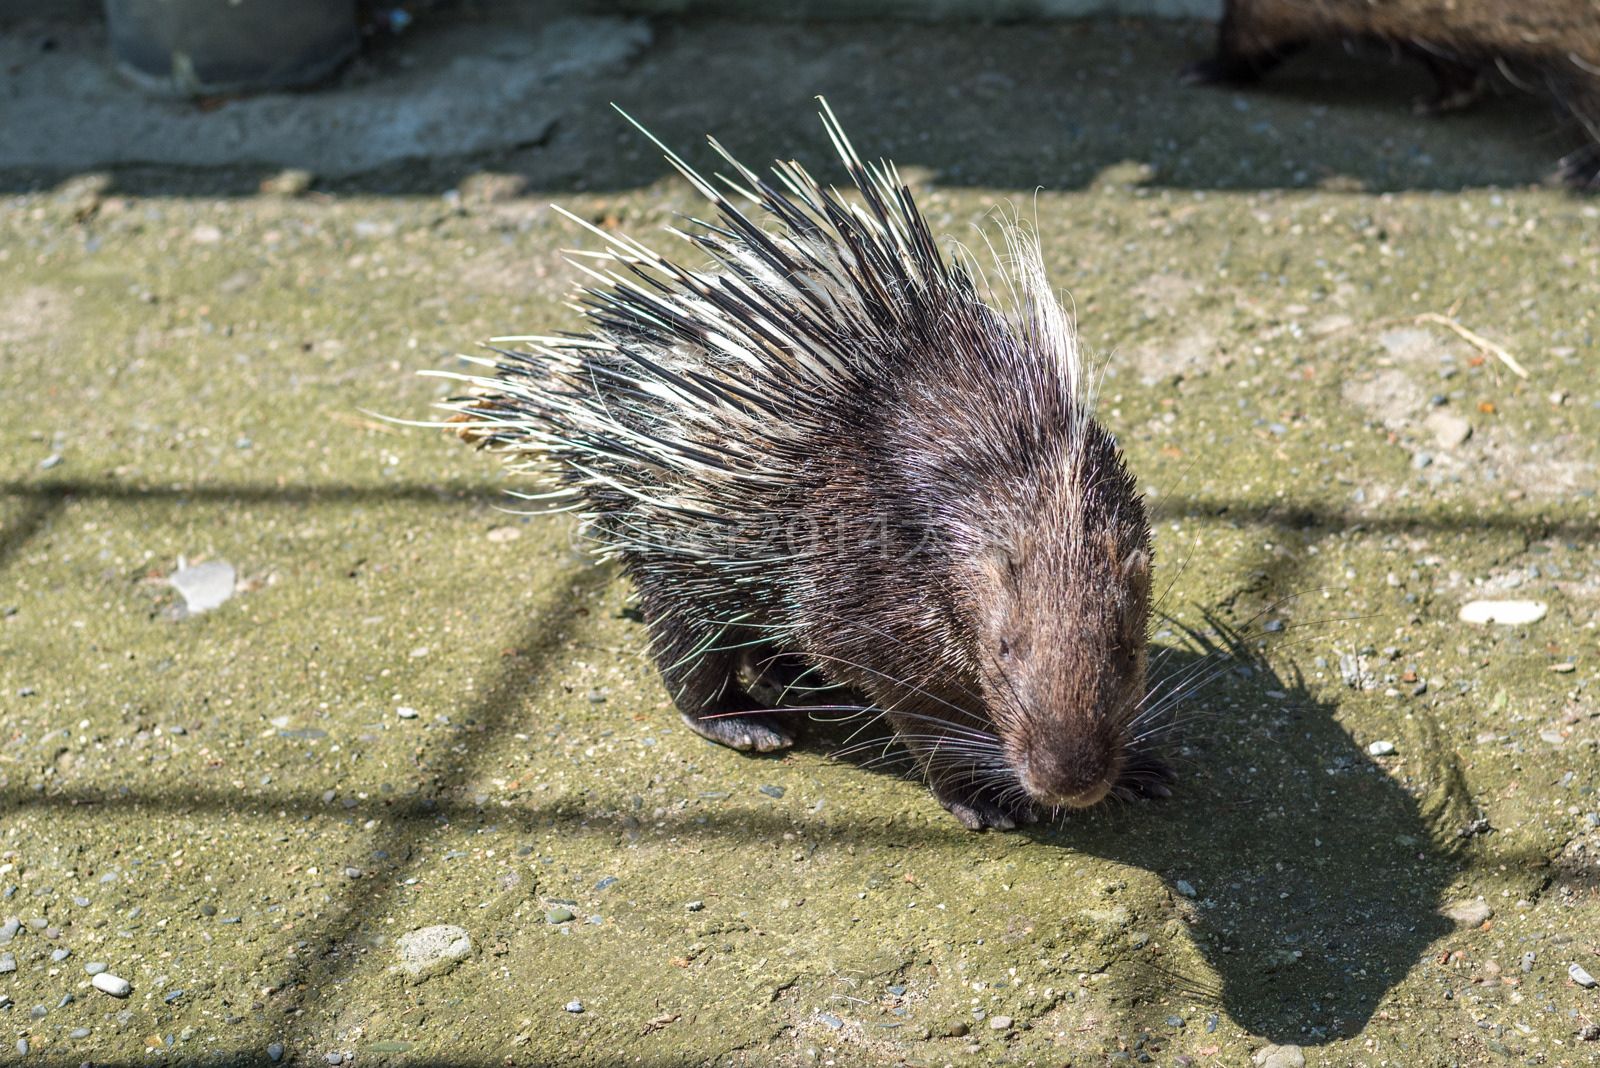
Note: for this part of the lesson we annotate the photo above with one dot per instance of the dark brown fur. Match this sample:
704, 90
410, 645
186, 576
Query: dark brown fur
1551, 44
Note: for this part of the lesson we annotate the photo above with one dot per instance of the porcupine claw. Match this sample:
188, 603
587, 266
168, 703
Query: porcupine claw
1147, 776
745, 731
976, 814
1143, 789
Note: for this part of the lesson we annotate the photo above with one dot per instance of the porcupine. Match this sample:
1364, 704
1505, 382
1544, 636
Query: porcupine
1553, 43
829, 453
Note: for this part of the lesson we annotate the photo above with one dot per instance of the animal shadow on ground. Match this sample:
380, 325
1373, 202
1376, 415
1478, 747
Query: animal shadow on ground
1309, 877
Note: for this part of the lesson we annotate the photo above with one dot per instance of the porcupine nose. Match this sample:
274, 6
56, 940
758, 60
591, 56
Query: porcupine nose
1068, 772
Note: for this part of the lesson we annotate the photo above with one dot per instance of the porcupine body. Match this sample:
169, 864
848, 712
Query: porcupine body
1553, 45
827, 456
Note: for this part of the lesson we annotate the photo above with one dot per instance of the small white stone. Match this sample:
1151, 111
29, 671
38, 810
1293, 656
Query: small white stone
205, 586
999, 1023
1183, 888
1506, 613
1381, 748
1448, 430
406, 713
110, 984
1578, 975
574, 1006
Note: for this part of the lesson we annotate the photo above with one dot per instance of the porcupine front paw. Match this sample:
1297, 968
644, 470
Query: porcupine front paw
760, 731
1213, 71
977, 813
1581, 169
1233, 66
1457, 86
1229, 71
776, 679
1144, 776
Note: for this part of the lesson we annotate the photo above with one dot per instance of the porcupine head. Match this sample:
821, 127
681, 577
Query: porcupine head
833, 366
1060, 604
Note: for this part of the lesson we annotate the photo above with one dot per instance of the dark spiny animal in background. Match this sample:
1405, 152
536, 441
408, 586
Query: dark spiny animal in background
827, 461
1553, 45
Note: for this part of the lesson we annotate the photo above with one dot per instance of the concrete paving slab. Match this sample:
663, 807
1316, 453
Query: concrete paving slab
421, 708
465, 93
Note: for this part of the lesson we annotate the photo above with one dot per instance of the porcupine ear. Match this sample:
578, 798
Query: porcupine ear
1000, 561
1136, 567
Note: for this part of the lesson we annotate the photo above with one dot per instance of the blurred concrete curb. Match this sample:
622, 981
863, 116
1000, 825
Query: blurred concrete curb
929, 10
12, 11
465, 97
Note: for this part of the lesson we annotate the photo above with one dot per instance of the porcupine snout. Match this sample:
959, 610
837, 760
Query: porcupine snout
1068, 772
